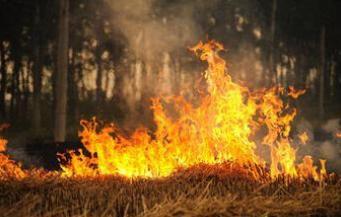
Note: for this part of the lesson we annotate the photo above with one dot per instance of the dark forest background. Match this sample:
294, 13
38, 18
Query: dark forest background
121, 53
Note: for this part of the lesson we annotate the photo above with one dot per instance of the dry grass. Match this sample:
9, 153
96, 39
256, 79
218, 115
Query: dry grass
199, 191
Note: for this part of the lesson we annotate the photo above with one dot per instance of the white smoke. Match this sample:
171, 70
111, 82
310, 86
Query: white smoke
148, 33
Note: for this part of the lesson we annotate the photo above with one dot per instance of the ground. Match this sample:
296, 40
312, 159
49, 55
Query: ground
199, 191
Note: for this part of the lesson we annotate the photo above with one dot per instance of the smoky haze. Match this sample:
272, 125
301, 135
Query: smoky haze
158, 33
153, 28
149, 33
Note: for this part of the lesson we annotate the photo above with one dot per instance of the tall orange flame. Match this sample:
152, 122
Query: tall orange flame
215, 131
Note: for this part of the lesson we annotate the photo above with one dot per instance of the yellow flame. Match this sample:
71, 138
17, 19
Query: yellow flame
303, 138
215, 131
8, 168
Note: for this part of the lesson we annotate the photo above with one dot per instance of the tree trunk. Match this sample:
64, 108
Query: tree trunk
99, 92
272, 69
26, 90
3, 81
18, 90
322, 71
61, 77
37, 69
72, 89
15, 83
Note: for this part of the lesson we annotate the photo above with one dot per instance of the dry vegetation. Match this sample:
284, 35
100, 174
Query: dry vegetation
199, 191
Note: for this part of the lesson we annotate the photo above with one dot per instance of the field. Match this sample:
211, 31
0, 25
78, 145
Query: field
203, 190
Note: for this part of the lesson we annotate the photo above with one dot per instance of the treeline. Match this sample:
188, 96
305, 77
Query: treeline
61, 61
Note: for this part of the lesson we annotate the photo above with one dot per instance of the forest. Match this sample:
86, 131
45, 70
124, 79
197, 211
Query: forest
119, 54
170, 108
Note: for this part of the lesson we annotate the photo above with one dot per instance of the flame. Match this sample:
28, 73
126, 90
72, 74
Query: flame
217, 130
303, 138
3, 144
307, 169
8, 168
295, 93
338, 135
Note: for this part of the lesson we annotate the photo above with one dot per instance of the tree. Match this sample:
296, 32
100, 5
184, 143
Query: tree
272, 42
37, 72
3, 80
61, 73
322, 71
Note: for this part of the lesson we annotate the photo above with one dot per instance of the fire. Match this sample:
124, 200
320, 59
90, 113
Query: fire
303, 138
338, 135
307, 169
217, 130
8, 168
3, 143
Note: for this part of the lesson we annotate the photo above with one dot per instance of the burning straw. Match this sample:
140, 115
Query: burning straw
199, 191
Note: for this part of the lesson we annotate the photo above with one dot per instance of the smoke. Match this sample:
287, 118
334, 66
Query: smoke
156, 36
150, 28
322, 143
331, 149
158, 30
